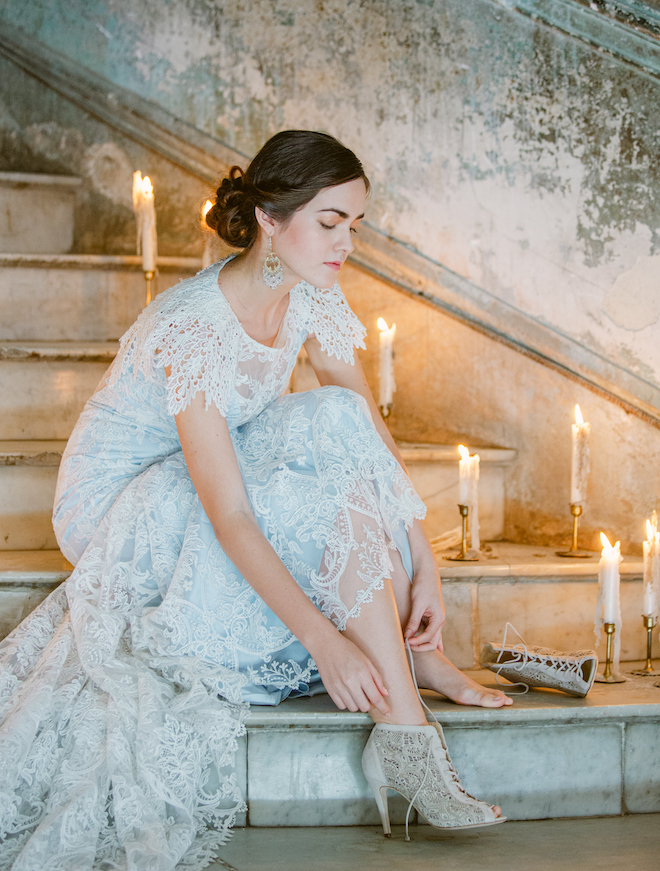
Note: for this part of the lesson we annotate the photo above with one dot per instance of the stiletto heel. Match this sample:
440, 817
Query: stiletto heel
380, 794
414, 761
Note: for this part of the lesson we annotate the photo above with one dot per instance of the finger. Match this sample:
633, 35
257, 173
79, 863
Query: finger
337, 699
378, 680
361, 701
376, 699
427, 633
416, 614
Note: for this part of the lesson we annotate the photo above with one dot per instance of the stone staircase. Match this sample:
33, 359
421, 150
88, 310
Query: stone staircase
548, 756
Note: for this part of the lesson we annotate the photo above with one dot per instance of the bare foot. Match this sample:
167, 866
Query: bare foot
436, 672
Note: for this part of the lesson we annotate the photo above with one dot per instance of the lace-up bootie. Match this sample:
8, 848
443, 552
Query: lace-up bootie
413, 760
570, 672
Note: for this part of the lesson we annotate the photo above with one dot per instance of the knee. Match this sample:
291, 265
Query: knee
342, 399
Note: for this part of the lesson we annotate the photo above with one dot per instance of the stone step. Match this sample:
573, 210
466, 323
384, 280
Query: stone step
433, 469
550, 601
36, 212
26, 578
78, 297
547, 756
44, 385
28, 474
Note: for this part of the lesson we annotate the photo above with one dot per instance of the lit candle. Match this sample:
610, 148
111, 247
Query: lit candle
387, 384
464, 466
579, 459
207, 254
145, 213
468, 490
608, 579
652, 568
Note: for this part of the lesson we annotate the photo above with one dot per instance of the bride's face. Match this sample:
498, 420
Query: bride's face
317, 239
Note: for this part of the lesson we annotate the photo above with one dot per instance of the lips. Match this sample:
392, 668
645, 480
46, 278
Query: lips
334, 265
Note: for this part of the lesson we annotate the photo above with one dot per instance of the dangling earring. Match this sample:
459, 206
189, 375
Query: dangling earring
273, 274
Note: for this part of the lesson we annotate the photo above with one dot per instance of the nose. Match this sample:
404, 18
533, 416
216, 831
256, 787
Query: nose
345, 242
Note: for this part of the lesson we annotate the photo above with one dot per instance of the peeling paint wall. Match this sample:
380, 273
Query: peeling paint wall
515, 155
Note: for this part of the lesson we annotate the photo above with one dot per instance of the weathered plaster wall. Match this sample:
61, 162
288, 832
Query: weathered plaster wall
517, 157
458, 385
42, 132
513, 154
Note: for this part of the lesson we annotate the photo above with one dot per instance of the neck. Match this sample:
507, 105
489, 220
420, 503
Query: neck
242, 280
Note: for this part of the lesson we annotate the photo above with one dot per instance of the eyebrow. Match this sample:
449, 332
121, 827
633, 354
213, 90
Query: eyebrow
341, 213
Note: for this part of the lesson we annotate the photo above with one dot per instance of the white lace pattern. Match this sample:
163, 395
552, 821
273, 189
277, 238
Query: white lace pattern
122, 695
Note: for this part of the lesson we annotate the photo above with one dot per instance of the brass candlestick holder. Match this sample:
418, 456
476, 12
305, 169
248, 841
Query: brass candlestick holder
386, 410
648, 670
608, 676
465, 555
574, 552
149, 277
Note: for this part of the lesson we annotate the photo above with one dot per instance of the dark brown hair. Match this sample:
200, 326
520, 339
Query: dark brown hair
288, 172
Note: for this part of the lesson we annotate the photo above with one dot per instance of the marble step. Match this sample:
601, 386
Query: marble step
37, 212
81, 297
28, 474
433, 469
44, 385
547, 756
550, 601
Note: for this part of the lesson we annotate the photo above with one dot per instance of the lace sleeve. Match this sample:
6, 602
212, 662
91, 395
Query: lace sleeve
184, 330
334, 324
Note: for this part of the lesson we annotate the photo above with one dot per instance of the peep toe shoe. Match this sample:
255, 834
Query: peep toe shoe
413, 760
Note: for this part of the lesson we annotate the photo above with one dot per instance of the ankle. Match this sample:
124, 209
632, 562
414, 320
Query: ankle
398, 718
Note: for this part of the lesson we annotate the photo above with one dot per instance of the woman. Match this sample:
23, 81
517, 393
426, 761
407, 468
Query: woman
231, 545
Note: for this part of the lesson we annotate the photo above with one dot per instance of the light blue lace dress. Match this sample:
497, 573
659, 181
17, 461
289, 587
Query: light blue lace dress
123, 694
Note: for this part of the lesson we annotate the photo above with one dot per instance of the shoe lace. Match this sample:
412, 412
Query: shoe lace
427, 767
517, 664
523, 657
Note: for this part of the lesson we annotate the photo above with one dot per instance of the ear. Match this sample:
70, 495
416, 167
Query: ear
265, 221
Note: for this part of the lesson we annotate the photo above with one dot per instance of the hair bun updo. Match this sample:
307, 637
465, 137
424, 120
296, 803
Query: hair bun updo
232, 214
286, 174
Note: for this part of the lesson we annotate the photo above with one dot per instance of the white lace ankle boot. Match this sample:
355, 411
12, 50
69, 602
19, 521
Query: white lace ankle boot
413, 760
572, 672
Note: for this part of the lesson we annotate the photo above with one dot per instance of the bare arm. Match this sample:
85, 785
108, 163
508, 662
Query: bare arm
427, 607
348, 675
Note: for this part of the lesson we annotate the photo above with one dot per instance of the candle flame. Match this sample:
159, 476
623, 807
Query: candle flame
609, 549
650, 532
579, 420
464, 452
382, 325
206, 208
147, 187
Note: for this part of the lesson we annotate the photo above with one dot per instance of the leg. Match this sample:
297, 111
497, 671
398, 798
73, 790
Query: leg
434, 671
377, 632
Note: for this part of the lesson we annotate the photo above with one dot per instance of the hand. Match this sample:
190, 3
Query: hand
349, 676
427, 612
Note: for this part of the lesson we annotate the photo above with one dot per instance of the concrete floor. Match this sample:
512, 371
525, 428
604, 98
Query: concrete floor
629, 843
